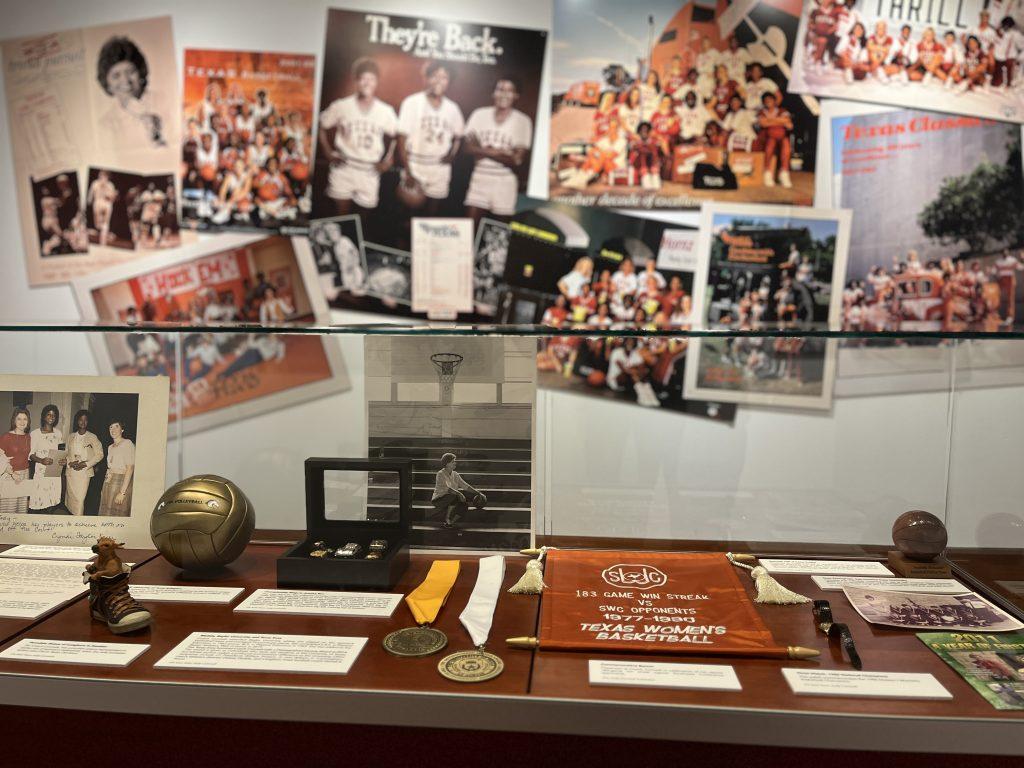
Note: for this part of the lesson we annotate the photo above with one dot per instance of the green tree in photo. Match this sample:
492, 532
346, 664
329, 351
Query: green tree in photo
983, 208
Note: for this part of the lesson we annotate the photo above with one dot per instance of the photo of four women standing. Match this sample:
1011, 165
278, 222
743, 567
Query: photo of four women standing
51, 464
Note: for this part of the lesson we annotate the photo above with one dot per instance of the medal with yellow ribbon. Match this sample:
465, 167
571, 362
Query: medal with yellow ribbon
425, 602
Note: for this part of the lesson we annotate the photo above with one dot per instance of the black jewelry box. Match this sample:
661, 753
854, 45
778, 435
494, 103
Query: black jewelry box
298, 568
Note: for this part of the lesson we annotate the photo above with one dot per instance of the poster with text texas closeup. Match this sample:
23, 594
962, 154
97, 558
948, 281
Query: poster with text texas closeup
666, 103
419, 118
961, 56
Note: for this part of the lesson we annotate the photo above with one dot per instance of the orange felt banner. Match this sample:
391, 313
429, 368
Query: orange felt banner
649, 602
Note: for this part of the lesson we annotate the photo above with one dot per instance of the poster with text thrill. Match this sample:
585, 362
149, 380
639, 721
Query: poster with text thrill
421, 117
247, 139
666, 103
228, 375
933, 245
94, 139
583, 268
961, 56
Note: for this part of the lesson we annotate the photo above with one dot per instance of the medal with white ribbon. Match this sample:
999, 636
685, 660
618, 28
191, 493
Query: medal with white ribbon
478, 665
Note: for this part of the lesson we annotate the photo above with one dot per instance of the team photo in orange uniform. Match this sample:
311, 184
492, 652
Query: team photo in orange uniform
246, 139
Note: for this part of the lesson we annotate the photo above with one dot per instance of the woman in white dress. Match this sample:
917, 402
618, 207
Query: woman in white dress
45, 443
116, 497
84, 453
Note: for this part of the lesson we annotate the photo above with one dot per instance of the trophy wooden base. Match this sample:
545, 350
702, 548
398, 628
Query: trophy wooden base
903, 566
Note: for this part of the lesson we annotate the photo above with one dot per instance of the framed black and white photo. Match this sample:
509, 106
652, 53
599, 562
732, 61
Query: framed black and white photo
81, 457
462, 408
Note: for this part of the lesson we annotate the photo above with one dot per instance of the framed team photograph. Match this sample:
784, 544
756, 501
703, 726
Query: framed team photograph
440, 127
337, 248
81, 455
462, 409
768, 267
663, 104
81, 100
230, 374
961, 57
247, 142
580, 268
60, 221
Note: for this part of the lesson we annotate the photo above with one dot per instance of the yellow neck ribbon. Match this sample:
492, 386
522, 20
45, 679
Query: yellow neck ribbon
428, 598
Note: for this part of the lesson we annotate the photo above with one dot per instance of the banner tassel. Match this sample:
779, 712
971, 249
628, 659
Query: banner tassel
769, 591
532, 581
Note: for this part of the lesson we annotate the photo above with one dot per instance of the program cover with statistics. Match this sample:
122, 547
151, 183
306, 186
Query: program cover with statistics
992, 664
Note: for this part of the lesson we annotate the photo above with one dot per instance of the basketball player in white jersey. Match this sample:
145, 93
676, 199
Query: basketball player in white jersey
102, 194
499, 139
152, 200
339, 261
49, 222
430, 128
357, 134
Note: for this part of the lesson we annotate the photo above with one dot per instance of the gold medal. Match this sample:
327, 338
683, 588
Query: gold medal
475, 666
425, 602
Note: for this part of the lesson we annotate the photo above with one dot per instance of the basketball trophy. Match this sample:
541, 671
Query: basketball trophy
920, 538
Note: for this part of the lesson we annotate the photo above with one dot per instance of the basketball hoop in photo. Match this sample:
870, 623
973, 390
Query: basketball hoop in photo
447, 365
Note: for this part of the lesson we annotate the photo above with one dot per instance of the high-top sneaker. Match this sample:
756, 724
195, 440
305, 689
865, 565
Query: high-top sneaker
110, 601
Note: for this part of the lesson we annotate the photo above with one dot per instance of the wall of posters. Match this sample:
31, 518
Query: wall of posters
579, 268
672, 102
79, 101
764, 267
226, 375
247, 141
420, 117
933, 245
85, 457
961, 57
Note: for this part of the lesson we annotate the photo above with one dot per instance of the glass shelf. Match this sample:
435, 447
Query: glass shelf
906, 335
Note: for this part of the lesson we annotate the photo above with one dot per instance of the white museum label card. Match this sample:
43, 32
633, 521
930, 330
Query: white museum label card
933, 586
678, 250
45, 552
312, 602
32, 588
249, 652
169, 593
703, 677
833, 567
836, 682
75, 652
442, 266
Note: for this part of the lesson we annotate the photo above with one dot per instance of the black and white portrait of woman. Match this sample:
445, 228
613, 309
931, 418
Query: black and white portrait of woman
132, 120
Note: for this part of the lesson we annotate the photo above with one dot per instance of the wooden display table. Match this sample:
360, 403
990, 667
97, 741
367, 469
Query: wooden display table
539, 692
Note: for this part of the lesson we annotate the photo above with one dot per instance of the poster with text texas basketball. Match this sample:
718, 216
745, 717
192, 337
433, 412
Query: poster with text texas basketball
666, 103
961, 56
649, 602
247, 139
228, 375
419, 117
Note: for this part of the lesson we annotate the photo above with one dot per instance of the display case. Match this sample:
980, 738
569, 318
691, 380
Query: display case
890, 422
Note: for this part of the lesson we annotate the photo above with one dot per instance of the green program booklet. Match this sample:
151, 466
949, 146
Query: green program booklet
992, 664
